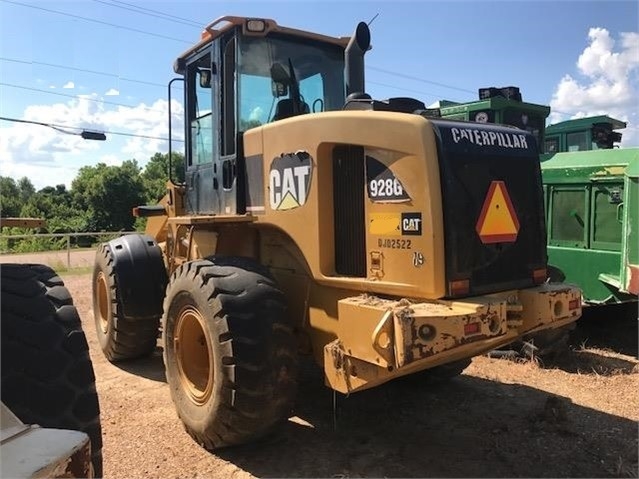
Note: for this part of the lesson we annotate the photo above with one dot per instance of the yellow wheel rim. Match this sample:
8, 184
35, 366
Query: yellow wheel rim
193, 355
104, 301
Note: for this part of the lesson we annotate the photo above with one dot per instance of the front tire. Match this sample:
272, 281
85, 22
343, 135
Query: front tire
47, 374
230, 355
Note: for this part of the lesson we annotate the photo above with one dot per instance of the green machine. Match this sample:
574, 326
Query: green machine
591, 189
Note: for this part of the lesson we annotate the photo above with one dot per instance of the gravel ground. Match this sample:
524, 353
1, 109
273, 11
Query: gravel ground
575, 418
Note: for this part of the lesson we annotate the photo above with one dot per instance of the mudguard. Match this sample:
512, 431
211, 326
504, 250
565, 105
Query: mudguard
140, 274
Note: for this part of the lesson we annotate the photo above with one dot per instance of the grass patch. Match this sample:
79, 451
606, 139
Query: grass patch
64, 271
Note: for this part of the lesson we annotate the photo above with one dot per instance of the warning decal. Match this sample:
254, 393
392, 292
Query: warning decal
498, 221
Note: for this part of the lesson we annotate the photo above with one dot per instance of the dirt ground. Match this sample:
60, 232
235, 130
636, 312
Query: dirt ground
575, 418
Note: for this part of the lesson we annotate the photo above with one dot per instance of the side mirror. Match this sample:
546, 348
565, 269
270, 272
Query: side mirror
279, 74
204, 75
279, 89
280, 80
614, 196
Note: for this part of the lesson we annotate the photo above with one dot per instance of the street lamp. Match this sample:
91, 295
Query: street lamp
85, 134
93, 135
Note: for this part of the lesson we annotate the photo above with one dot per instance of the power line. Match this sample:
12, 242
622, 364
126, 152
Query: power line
144, 82
93, 20
389, 72
69, 127
404, 89
151, 13
84, 70
136, 135
423, 80
85, 133
196, 23
166, 16
77, 97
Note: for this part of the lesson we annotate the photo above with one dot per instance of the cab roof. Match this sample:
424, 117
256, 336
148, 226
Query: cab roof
223, 24
581, 124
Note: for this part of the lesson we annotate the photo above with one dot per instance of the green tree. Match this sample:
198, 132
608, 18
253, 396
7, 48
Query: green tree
155, 176
54, 204
9, 197
26, 189
108, 194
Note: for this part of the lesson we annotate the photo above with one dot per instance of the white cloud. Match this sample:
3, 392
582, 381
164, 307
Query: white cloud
608, 83
256, 114
111, 160
69, 85
49, 157
146, 121
112, 92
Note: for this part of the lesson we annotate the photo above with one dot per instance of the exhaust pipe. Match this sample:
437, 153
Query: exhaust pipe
354, 59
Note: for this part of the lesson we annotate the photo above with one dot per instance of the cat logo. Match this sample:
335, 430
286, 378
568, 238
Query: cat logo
290, 180
412, 224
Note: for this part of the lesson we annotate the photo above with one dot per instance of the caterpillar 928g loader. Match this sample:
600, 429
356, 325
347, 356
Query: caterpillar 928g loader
313, 219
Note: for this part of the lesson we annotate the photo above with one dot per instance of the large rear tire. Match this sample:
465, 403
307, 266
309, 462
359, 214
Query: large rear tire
230, 355
120, 337
47, 374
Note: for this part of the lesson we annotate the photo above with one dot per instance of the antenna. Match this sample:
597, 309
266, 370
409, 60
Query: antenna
373, 19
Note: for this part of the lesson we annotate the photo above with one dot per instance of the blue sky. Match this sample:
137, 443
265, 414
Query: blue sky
80, 63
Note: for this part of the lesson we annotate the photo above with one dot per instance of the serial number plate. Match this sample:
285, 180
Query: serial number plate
394, 243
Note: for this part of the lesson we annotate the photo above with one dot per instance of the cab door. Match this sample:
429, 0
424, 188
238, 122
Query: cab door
202, 135
230, 163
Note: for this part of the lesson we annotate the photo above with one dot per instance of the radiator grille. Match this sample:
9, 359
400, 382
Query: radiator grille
348, 202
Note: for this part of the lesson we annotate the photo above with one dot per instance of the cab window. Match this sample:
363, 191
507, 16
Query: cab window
569, 219
578, 141
552, 145
202, 139
281, 77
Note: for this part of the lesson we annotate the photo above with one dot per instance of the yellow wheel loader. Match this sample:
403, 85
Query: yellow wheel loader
371, 234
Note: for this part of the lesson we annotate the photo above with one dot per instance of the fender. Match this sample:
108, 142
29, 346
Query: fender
140, 275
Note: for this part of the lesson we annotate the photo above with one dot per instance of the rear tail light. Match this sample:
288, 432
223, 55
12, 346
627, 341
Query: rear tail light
459, 287
471, 328
573, 304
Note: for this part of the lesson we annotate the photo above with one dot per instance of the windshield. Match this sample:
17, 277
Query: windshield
318, 71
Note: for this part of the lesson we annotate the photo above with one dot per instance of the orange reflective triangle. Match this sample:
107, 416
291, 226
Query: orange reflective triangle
498, 221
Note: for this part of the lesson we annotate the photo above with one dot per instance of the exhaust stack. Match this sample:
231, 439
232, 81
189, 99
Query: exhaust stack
354, 59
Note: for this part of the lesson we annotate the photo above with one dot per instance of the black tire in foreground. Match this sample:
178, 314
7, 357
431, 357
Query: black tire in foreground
47, 374
120, 337
230, 356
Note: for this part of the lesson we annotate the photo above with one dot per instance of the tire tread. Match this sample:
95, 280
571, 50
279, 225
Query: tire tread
259, 383
49, 381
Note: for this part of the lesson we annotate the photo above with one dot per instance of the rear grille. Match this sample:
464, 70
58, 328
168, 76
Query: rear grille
348, 204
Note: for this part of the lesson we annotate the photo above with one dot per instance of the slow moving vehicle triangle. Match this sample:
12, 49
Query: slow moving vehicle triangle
498, 222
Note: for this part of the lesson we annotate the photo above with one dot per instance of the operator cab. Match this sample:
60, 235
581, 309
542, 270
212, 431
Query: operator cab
246, 73
583, 134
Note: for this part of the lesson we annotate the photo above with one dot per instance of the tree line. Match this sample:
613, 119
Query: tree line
100, 198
